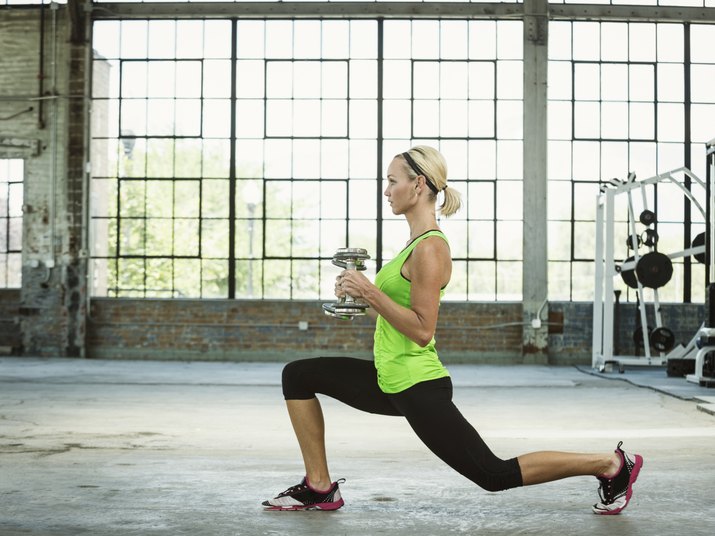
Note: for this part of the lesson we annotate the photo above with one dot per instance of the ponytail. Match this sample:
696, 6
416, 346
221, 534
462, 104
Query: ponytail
429, 162
452, 202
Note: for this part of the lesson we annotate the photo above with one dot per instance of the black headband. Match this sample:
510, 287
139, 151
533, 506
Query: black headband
419, 171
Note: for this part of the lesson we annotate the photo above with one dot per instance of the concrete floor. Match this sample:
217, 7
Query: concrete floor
165, 448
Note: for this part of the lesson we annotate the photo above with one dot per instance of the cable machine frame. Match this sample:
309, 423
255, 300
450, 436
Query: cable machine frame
606, 267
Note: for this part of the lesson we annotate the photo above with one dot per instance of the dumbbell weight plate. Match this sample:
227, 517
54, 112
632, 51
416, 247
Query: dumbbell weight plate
654, 269
633, 240
649, 238
345, 311
662, 339
629, 276
647, 217
357, 255
638, 336
698, 241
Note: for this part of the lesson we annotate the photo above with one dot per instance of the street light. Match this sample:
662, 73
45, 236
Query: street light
252, 196
128, 141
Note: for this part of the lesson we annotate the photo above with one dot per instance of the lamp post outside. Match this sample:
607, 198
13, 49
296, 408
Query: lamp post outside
252, 196
128, 142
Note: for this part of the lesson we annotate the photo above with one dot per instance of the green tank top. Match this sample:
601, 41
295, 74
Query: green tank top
401, 362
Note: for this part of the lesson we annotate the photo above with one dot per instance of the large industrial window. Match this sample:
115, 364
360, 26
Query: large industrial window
623, 97
11, 200
458, 85
231, 158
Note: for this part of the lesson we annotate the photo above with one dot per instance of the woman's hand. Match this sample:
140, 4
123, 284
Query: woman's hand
352, 283
339, 292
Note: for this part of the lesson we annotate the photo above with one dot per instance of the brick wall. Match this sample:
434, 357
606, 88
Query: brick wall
10, 339
268, 330
571, 335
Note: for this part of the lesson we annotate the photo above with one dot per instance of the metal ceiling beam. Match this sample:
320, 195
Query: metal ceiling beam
631, 13
387, 10
324, 10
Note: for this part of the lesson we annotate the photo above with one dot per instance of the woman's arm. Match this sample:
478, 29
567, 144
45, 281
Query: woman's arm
430, 268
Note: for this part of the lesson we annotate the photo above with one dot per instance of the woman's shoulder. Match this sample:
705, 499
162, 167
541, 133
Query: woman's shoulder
432, 244
432, 261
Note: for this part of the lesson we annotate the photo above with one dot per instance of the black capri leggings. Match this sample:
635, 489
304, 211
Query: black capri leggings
427, 406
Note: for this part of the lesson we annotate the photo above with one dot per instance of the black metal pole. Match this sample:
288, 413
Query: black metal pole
617, 324
232, 172
378, 193
687, 237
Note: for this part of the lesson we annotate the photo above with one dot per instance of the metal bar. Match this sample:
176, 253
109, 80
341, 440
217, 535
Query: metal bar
644, 198
609, 271
667, 176
687, 216
396, 10
380, 156
631, 13
319, 10
627, 266
232, 171
641, 361
597, 341
710, 234
644, 321
658, 318
641, 298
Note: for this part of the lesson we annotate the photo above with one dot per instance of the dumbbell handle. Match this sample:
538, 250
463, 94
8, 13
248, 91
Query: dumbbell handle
350, 264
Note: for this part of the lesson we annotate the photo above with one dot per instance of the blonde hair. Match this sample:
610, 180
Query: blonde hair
434, 167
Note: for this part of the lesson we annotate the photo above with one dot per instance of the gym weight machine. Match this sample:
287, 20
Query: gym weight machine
650, 270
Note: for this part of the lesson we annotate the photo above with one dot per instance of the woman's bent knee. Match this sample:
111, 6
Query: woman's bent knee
494, 485
295, 380
505, 475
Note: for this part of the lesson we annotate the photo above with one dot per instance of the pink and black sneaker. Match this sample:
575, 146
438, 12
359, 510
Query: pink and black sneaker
304, 497
615, 493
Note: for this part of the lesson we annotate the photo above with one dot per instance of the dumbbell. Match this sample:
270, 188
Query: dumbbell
346, 307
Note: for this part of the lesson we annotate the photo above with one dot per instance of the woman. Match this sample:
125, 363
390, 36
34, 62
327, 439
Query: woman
407, 378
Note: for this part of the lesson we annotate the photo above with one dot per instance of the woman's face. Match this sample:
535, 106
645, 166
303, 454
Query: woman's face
401, 192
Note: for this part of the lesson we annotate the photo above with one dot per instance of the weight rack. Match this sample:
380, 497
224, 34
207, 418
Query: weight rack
606, 267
